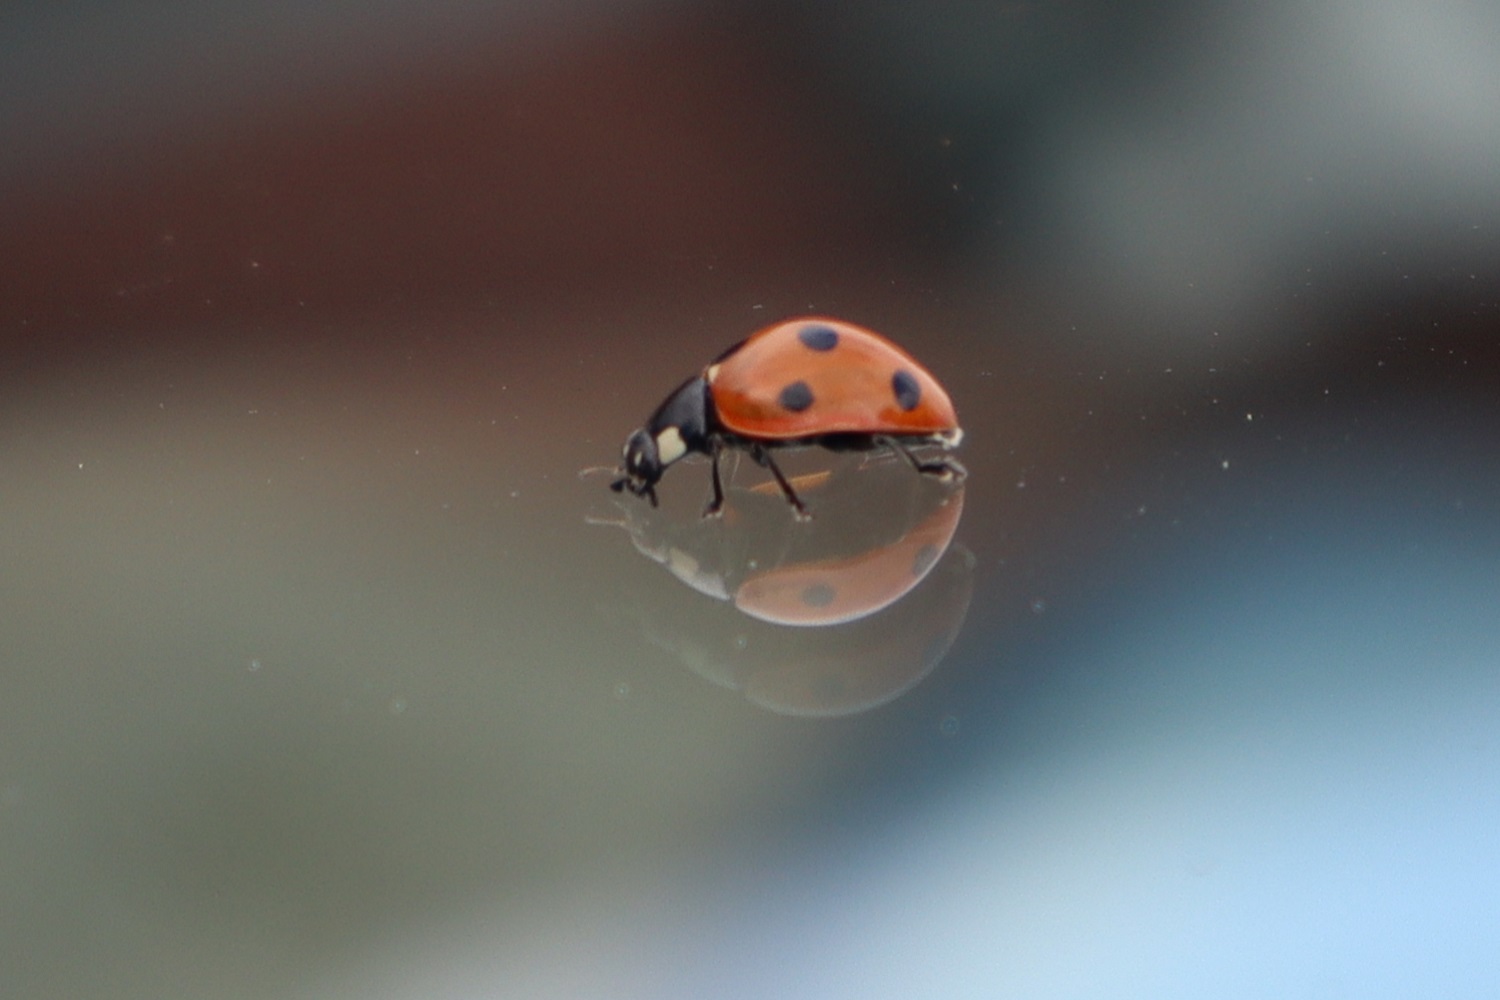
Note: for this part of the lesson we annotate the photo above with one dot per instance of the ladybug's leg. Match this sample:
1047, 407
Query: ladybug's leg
716, 505
622, 484
944, 468
763, 458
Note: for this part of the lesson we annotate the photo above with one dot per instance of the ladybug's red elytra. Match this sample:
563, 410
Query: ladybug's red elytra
806, 381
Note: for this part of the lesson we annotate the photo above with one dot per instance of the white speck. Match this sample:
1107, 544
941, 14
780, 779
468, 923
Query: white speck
1038, 605
622, 690
1224, 464
254, 665
397, 705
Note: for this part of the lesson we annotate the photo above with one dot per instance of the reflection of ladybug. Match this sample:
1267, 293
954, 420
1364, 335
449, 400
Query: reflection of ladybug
824, 673
880, 590
800, 382
848, 588
863, 560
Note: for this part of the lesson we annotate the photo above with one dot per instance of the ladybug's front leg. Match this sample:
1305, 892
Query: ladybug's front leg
716, 505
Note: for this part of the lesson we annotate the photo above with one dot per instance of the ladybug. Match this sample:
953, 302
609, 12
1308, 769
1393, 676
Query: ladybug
807, 381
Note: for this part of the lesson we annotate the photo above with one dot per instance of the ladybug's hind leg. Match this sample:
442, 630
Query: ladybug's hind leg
943, 468
763, 458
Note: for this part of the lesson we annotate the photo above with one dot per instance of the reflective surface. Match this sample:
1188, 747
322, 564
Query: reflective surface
316, 681
822, 626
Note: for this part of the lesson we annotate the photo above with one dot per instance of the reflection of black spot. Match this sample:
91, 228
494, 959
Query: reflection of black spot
908, 392
819, 338
818, 595
796, 397
926, 556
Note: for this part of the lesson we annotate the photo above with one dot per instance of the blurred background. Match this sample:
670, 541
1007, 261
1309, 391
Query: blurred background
315, 681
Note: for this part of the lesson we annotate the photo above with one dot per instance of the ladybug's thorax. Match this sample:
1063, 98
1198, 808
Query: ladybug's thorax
681, 424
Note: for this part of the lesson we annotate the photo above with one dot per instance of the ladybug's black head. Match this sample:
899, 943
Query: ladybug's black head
642, 468
680, 425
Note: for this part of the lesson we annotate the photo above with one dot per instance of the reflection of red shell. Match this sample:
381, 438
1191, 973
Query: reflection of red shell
872, 662
824, 673
835, 591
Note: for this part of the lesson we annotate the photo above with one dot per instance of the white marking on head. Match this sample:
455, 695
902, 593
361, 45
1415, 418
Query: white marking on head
950, 438
669, 445
711, 374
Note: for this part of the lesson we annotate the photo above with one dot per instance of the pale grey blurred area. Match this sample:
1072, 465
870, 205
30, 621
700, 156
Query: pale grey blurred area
323, 673
1291, 142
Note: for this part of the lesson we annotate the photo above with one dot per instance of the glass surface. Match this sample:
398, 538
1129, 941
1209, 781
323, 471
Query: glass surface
331, 667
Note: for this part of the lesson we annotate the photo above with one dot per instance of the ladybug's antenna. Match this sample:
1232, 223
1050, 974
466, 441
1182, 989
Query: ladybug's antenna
596, 470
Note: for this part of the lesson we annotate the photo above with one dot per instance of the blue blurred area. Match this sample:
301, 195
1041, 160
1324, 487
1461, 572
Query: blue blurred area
1271, 771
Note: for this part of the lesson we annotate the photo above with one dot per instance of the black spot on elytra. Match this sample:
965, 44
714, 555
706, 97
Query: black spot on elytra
796, 397
819, 338
818, 595
908, 392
